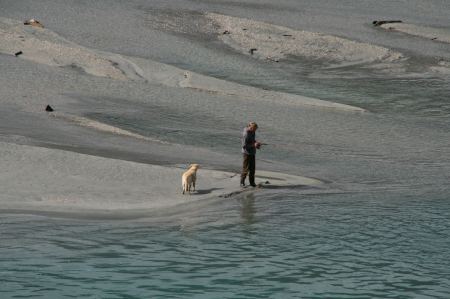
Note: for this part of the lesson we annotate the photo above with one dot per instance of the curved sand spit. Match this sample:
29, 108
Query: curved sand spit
41, 179
274, 42
99, 126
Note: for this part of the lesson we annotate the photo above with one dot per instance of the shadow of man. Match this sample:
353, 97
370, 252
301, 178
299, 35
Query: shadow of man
207, 191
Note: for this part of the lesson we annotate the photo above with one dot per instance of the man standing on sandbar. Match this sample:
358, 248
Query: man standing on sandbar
249, 146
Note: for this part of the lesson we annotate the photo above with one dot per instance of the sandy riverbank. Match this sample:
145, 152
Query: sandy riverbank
49, 180
43, 46
120, 106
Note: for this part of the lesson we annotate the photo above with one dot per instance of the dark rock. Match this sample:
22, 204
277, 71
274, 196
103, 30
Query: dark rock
18, 53
252, 50
226, 32
49, 108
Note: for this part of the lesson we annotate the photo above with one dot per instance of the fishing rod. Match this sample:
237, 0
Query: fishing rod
280, 145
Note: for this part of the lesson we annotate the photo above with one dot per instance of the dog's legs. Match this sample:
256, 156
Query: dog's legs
193, 184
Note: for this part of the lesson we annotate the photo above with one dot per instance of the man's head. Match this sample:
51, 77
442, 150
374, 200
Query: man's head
252, 126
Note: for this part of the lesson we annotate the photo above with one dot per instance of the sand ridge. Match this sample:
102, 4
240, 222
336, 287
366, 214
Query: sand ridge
272, 42
54, 180
99, 126
427, 32
43, 46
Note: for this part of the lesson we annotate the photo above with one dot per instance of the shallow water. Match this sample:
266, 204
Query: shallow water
366, 245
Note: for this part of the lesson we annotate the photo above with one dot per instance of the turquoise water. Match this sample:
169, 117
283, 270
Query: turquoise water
367, 245
378, 228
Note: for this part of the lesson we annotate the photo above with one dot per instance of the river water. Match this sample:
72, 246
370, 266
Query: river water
379, 228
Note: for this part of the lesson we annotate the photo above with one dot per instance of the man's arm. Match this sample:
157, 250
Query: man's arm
249, 141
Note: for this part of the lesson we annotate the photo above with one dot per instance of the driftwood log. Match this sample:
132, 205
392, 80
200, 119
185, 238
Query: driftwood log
34, 23
379, 23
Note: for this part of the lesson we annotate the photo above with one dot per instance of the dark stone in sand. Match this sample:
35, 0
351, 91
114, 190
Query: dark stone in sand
226, 32
272, 59
252, 50
18, 53
49, 108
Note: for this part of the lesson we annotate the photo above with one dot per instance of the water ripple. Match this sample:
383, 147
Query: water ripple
335, 246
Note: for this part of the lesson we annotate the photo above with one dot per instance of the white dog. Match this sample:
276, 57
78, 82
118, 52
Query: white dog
189, 177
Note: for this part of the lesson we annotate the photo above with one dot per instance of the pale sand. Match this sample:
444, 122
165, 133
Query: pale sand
276, 42
43, 46
99, 126
50, 180
176, 77
41, 179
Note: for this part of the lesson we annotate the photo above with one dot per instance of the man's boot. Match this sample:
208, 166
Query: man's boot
242, 181
251, 178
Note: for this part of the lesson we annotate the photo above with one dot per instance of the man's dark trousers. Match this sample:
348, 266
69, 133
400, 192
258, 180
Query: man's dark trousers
248, 167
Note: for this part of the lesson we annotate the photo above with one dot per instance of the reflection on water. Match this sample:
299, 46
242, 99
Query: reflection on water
248, 209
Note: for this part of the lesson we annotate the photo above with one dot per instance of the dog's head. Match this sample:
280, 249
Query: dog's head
194, 166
